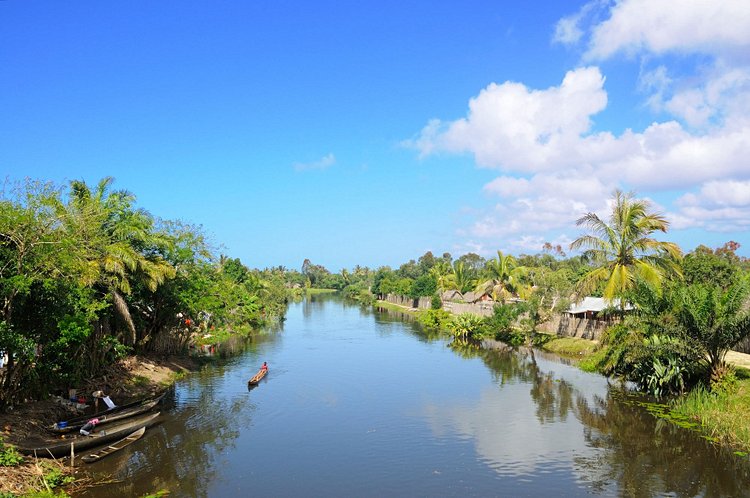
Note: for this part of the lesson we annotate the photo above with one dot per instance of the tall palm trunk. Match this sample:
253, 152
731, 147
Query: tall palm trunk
121, 307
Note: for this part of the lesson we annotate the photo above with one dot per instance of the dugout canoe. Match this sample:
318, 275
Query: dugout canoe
107, 416
108, 450
258, 377
60, 447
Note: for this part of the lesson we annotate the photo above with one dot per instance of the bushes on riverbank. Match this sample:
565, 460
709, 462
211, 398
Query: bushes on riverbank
87, 277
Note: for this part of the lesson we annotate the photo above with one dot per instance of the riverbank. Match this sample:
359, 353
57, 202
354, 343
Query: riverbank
131, 378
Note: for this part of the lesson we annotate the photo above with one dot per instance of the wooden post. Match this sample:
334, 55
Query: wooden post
72, 455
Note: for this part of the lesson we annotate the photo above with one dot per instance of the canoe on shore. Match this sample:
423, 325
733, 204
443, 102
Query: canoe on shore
107, 416
108, 450
60, 446
258, 377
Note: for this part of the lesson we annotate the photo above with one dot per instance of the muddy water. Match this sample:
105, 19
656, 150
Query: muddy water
362, 403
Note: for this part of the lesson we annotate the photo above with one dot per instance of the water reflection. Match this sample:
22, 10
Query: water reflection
624, 450
648, 456
363, 403
184, 453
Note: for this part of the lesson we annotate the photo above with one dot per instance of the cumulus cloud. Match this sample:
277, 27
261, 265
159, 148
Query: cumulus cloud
323, 163
687, 26
724, 205
514, 127
555, 165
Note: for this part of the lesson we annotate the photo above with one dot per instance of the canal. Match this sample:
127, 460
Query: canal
361, 403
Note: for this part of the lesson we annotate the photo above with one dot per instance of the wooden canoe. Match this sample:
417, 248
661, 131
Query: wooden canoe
108, 416
60, 447
257, 377
108, 450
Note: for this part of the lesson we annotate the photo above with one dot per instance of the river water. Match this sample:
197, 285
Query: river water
361, 403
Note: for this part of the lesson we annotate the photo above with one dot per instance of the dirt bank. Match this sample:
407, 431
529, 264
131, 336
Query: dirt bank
132, 378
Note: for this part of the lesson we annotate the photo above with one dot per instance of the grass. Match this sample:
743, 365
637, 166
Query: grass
570, 346
723, 417
396, 307
311, 291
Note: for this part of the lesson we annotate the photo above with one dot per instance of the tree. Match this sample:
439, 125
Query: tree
718, 267
314, 273
32, 256
502, 277
426, 285
120, 244
715, 320
624, 250
474, 262
461, 277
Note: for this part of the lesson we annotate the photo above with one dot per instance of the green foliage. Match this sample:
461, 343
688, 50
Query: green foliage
723, 379
86, 277
467, 326
504, 319
623, 250
9, 456
704, 266
714, 320
47, 494
54, 476
502, 277
435, 319
436, 303
425, 285
159, 494
314, 273
359, 292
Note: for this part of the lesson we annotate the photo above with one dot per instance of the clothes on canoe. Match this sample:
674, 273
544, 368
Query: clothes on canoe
88, 426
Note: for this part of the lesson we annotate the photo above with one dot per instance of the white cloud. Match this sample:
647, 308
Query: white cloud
724, 205
723, 95
721, 193
513, 127
569, 30
323, 163
556, 166
686, 26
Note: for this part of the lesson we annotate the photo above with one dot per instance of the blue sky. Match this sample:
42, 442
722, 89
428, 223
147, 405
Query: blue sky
370, 132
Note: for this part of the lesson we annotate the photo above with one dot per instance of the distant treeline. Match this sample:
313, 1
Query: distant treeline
678, 314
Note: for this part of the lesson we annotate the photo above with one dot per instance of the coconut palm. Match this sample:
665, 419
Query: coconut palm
120, 245
503, 278
442, 273
624, 250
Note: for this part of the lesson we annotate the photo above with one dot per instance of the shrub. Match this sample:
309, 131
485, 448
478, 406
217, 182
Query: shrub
435, 319
723, 379
436, 302
467, 325
9, 456
54, 476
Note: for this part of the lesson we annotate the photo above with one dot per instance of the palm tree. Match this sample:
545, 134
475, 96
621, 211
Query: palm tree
624, 250
464, 276
503, 278
715, 319
120, 245
441, 271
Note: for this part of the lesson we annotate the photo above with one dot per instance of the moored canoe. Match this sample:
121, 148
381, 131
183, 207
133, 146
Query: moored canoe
58, 448
108, 450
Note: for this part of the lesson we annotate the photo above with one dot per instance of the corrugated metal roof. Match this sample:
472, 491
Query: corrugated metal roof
594, 304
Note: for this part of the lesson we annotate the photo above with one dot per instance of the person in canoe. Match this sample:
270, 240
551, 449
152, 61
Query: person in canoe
264, 367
